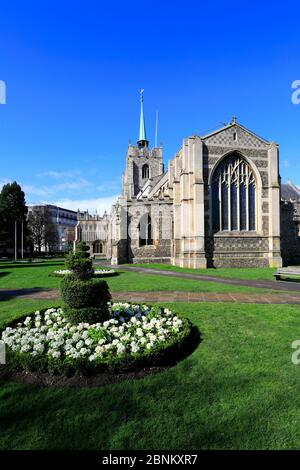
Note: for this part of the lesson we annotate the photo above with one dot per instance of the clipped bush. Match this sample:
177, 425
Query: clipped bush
82, 268
81, 250
85, 300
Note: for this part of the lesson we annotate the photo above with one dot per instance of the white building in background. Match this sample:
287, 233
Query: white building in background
63, 221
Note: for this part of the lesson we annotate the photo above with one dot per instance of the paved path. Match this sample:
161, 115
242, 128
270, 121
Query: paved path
288, 292
166, 296
262, 284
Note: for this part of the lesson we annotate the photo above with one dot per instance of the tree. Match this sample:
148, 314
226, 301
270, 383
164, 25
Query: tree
12, 209
51, 234
36, 224
43, 231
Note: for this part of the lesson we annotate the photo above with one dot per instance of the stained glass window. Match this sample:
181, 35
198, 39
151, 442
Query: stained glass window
252, 207
234, 195
233, 200
224, 206
243, 217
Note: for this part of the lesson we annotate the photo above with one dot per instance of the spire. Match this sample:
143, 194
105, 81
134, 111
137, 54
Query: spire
142, 142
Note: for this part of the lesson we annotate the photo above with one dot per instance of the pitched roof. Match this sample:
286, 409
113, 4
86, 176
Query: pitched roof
289, 191
234, 124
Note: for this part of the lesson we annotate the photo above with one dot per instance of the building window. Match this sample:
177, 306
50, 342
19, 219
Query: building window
145, 171
145, 231
97, 247
234, 195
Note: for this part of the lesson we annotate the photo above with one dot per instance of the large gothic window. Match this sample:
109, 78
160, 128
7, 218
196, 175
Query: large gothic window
145, 171
145, 231
234, 195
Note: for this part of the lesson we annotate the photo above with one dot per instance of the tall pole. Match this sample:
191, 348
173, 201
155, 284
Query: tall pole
156, 128
16, 255
22, 241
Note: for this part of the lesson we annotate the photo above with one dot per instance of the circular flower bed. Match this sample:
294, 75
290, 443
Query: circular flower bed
134, 336
97, 272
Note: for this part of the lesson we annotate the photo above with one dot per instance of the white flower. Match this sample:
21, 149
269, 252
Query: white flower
134, 347
121, 348
129, 329
55, 354
83, 351
64, 272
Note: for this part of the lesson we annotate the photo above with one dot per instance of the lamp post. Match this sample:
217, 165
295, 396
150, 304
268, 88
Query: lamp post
16, 239
22, 239
16, 252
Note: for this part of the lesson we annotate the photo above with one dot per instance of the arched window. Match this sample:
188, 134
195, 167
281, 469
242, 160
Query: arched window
145, 171
97, 247
234, 195
145, 231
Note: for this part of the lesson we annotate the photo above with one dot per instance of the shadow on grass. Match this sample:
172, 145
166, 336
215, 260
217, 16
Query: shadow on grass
179, 408
30, 265
12, 293
103, 276
4, 273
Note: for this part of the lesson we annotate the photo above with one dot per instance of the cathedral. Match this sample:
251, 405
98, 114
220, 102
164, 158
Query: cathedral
220, 203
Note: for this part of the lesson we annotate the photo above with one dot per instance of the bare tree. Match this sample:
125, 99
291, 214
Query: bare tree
37, 220
42, 229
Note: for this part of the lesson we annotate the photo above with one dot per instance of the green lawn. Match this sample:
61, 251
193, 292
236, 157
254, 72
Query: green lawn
14, 308
238, 390
234, 273
16, 276
39, 276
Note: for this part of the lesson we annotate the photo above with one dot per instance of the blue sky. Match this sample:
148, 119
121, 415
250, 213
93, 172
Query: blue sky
73, 72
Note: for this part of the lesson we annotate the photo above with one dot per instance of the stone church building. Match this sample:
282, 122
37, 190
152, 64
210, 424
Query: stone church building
220, 203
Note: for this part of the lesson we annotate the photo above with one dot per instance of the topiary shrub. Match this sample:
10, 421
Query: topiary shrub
80, 262
85, 300
82, 268
81, 250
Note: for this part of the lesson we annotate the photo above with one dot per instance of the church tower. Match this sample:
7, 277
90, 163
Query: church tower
142, 162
